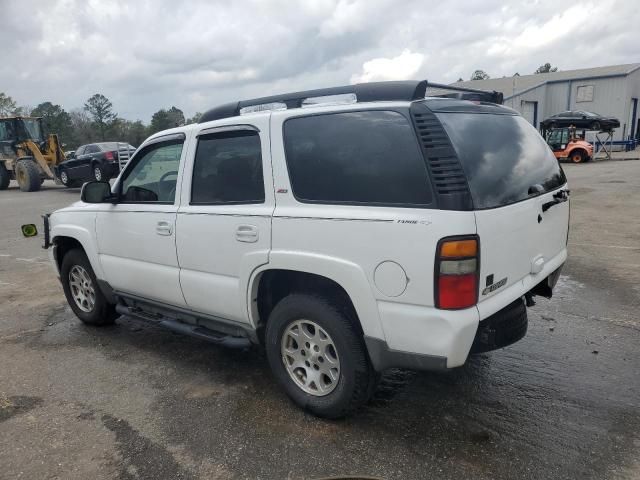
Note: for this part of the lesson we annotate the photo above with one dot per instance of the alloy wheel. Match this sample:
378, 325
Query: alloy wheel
310, 357
81, 286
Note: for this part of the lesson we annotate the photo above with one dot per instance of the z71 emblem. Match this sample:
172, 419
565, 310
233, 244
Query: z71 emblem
495, 286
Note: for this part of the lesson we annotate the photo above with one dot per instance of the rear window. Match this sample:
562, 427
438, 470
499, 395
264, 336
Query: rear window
351, 158
503, 156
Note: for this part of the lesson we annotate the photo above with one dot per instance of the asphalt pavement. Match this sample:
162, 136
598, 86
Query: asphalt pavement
137, 402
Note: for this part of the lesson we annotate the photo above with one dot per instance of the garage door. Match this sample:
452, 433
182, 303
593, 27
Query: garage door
530, 112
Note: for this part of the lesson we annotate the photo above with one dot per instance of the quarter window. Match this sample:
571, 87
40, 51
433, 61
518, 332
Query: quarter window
228, 169
153, 174
369, 157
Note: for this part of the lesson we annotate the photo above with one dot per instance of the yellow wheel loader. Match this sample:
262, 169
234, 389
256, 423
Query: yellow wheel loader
26, 155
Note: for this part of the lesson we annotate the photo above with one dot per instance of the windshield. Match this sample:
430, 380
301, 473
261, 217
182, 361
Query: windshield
503, 156
32, 129
558, 137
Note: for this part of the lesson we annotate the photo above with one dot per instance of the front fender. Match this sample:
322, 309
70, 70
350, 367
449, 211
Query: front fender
81, 227
346, 274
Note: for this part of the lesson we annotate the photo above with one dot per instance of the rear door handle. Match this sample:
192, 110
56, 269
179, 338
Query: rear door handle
164, 228
247, 233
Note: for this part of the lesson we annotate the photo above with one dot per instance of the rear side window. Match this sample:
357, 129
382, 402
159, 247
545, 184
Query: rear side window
228, 169
503, 156
367, 157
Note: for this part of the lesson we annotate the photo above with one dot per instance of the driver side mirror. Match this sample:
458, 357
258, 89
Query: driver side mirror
97, 192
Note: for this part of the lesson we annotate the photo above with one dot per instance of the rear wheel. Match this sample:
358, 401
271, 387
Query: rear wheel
98, 174
577, 156
318, 356
5, 177
28, 175
82, 291
595, 126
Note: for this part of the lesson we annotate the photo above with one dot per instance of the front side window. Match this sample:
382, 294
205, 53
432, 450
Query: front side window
228, 169
369, 157
153, 174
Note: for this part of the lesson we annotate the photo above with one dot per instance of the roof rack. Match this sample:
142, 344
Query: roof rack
407, 90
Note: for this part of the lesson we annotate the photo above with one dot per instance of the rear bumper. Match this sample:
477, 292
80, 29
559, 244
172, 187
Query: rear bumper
426, 338
111, 169
423, 338
502, 328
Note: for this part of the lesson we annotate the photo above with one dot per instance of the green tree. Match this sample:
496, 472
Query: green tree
55, 120
7, 105
164, 119
480, 75
122, 130
101, 111
546, 68
83, 131
194, 119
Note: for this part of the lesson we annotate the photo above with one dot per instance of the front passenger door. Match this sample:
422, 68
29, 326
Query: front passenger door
136, 237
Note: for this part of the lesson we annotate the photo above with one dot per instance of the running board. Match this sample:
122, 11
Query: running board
177, 326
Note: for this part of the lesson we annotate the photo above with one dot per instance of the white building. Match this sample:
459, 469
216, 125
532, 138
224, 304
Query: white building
610, 91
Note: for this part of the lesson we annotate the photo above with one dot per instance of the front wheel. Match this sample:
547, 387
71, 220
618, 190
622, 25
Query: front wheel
318, 356
28, 175
82, 291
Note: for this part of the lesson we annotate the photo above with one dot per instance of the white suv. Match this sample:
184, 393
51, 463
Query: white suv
347, 230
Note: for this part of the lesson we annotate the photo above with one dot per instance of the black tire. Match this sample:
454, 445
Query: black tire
102, 313
64, 179
578, 156
357, 377
28, 175
5, 177
98, 172
596, 126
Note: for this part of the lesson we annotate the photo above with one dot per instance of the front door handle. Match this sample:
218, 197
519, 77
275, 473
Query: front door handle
164, 228
247, 233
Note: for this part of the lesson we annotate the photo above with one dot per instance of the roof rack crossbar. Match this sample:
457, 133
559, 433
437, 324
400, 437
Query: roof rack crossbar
407, 90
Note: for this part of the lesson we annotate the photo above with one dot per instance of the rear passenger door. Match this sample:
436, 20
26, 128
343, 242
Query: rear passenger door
223, 230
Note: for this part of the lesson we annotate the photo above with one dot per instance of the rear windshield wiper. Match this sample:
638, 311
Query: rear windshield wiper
559, 197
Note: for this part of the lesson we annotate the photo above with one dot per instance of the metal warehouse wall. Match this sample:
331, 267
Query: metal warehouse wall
633, 91
611, 96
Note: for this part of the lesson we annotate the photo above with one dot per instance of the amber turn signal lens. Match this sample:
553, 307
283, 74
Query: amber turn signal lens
459, 248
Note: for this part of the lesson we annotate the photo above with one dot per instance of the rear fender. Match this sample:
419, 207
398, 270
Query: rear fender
346, 274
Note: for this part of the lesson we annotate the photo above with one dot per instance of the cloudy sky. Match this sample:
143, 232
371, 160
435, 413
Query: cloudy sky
150, 54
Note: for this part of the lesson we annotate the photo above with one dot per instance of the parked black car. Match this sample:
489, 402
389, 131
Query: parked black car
95, 161
580, 119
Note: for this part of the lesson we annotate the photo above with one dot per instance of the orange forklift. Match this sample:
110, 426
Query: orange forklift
567, 145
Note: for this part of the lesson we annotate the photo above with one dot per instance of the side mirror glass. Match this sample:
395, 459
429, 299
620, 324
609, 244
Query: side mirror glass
96, 192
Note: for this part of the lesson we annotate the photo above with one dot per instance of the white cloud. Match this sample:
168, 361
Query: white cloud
147, 55
403, 67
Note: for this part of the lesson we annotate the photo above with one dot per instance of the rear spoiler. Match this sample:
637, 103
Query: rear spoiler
465, 93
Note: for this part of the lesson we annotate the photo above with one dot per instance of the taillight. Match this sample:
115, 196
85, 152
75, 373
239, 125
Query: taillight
457, 269
109, 156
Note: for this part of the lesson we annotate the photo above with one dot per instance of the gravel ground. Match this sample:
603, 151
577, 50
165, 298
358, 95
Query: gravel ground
133, 401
